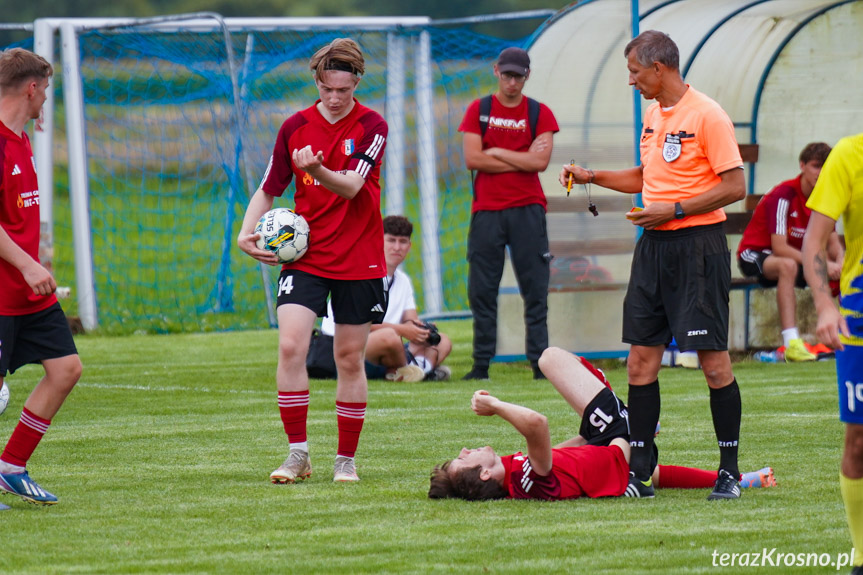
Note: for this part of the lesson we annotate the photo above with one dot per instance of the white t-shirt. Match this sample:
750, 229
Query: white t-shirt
401, 299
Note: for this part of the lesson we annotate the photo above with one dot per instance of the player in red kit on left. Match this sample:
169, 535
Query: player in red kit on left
333, 152
33, 327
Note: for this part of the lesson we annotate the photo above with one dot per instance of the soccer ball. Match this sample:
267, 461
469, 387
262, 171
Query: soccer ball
285, 233
4, 397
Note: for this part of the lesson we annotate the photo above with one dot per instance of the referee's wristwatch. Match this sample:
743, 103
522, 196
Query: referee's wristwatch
679, 214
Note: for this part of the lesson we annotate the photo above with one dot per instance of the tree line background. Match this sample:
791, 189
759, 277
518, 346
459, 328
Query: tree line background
17, 11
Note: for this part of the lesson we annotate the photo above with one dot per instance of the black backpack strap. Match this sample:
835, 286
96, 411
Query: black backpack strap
532, 116
484, 113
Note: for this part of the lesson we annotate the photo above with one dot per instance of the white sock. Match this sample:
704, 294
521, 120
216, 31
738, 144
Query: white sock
304, 446
789, 334
9, 468
424, 363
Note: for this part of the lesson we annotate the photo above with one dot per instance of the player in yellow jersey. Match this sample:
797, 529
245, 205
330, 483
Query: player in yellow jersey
839, 192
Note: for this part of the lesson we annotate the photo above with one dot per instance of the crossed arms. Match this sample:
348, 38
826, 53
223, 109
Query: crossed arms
501, 160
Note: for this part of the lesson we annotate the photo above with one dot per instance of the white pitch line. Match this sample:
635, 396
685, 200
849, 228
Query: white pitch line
167, 388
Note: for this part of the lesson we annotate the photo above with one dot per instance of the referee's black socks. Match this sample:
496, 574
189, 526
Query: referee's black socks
726, 409
644, 403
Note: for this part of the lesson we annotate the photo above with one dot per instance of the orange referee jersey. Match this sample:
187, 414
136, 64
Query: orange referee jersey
683, 151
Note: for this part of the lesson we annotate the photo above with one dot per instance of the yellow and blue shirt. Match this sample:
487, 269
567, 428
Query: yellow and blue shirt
839, 192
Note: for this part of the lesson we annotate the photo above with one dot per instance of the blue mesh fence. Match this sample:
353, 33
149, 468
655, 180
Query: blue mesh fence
171, 160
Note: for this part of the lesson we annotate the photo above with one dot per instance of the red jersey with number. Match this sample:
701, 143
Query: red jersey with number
583, 471
346, 240
508, 128
19, 218
782, 212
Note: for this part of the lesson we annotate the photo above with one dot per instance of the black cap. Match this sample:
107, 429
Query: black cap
514, 61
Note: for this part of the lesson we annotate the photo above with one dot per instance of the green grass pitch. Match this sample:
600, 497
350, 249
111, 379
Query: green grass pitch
161, 459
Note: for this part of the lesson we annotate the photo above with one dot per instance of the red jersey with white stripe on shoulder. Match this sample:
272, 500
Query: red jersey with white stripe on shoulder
782, 212
19, 218
583, 471
346, 240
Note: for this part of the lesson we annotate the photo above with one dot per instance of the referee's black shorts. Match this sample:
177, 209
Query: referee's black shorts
678, 288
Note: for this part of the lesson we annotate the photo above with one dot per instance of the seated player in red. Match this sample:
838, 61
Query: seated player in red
594, 463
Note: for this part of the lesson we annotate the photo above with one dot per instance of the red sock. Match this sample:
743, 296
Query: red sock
685, 477
294, 409
27, 435
350, 417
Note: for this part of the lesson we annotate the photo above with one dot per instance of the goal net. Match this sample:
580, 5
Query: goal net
175, 141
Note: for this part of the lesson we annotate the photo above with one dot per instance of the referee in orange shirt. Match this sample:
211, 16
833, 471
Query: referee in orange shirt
681, 269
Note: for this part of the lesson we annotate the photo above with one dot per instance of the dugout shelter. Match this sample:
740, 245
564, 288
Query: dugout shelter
787, 72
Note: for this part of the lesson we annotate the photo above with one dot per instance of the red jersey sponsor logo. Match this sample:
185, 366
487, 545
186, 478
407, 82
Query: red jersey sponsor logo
507, 123
28, 199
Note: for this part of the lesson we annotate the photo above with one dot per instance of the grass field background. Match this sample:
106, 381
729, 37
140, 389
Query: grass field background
161, 459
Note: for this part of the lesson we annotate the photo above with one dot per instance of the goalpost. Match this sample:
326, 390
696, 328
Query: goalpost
216, 114
156, 135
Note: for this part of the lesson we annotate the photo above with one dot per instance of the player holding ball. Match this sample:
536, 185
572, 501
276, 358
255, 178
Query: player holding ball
333, 151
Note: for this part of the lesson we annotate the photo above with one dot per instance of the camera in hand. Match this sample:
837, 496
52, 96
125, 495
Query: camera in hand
434, 336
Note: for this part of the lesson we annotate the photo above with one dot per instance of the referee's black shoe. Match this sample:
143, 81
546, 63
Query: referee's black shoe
639, 488
726, 487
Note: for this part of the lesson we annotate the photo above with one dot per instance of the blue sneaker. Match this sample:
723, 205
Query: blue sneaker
3, 507
761, 478
21, 485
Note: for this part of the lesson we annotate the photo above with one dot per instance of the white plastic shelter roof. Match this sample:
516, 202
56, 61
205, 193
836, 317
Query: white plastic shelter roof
787, 72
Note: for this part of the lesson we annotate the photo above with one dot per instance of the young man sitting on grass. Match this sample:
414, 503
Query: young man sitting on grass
422, 357
594, 463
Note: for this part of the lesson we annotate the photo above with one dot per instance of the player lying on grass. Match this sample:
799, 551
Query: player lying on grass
594, 463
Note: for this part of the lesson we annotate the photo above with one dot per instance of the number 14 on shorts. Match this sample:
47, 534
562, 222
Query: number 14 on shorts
286, 285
